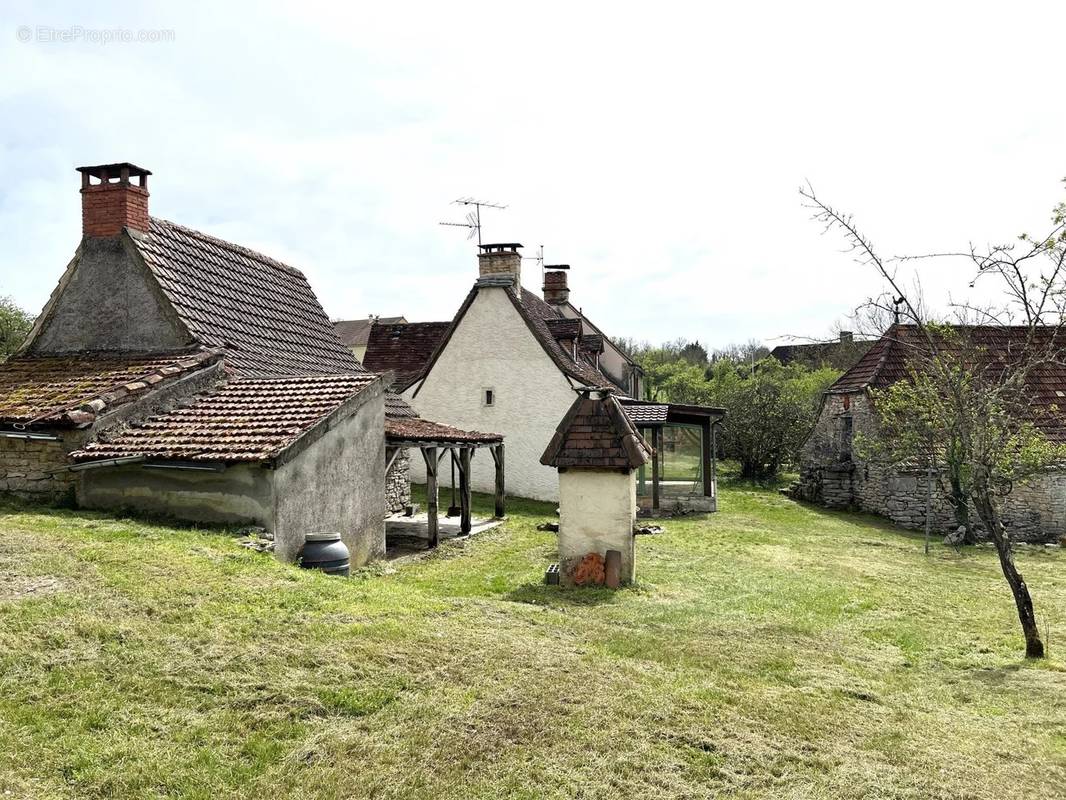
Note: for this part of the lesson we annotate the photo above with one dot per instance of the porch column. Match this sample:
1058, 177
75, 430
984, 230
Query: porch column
705, 447
429, 455
501, 495
464, 491
656, 459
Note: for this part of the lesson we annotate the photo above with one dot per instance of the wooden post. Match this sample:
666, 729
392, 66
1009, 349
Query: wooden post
464, 490
656, 459
501, 493
705, 447
429, 455
714, 462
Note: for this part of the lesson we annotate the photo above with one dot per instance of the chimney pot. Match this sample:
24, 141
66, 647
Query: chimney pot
501, 259
556, 290
113, 203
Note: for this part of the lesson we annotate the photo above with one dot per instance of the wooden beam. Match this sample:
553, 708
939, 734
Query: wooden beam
501, 492
429, 455
464, 491
714, 460
705, 447
656, 459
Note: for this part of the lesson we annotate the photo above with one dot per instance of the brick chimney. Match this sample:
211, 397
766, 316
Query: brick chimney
112, 202
556, 291
500, 260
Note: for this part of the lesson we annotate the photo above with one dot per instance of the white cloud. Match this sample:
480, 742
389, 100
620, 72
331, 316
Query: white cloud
657, 149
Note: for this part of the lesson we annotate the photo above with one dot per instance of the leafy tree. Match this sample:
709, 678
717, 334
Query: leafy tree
769, 411
15, 325
967, 408
694, 353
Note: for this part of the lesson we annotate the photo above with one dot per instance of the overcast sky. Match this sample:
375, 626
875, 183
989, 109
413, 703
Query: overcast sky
656, 147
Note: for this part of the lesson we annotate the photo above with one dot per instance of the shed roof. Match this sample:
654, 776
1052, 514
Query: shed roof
245, 420
72, 389
414, 429
596, 434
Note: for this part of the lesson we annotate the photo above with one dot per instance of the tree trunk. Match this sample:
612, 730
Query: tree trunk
1034, 647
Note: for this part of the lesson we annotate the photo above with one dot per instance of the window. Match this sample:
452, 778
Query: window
489, 397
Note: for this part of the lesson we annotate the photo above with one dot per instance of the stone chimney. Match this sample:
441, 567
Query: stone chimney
847, 337
501, 260
556, 290
111, 202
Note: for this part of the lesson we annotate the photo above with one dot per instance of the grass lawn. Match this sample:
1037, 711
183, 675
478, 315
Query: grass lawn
770, 650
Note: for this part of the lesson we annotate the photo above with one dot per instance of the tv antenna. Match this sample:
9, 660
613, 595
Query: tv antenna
473, 218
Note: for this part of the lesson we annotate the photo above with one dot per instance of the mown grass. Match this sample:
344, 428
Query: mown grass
770, 650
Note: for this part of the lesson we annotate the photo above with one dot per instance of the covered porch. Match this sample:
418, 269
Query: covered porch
435, 442
682, 474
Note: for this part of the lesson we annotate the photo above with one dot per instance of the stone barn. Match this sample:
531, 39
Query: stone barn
833, 473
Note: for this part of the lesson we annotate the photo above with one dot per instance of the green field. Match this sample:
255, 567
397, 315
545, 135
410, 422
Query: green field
770, 650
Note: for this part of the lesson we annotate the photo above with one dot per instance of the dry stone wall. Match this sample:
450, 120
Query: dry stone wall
832, 475
398, 483
37, 469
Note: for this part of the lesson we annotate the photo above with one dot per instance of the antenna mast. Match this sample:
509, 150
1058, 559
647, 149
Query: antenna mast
473, 218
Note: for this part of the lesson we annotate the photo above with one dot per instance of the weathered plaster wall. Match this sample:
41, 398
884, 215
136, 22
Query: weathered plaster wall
493, 348
398, 481
35, 469
240, 494
596, 514
108, 302
337, 484
832, 475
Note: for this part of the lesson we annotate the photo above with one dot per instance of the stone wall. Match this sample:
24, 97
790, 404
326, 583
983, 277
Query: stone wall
36, 469
833, 475
398, 482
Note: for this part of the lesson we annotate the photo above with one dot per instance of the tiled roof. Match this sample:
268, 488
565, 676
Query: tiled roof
413, 429
247, 419
887, 362
262, 312
537, 314
73, 389
356, 332
646, 413
564, 328
403, 348
396, 406
596, 434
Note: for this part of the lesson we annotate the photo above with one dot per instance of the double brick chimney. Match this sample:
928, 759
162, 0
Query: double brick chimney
500, 260
556, 291
110, 201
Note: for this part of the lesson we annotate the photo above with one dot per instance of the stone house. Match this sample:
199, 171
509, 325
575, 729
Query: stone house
175, 373
833, 474
840, 354
511, 361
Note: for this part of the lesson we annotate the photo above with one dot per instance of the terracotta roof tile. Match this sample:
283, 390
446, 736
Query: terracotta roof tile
889, 359
596, 434
261, 311
247, 419
72, 389
403, 348
422, 430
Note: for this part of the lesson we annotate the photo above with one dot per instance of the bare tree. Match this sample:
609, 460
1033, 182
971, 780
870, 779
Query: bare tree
969, 403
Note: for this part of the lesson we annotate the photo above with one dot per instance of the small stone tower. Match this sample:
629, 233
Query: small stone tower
597, 452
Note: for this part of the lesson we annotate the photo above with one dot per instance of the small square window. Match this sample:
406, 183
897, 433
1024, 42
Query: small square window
489, 397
